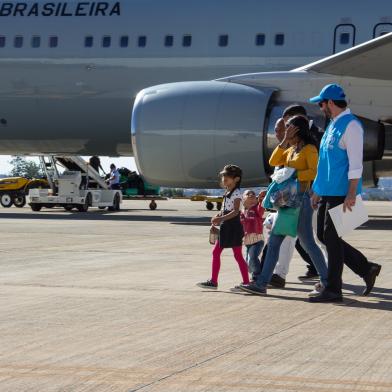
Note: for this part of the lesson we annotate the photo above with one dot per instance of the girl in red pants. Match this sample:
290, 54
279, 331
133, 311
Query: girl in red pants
231, 232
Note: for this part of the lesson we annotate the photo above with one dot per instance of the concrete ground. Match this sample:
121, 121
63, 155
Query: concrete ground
107, 302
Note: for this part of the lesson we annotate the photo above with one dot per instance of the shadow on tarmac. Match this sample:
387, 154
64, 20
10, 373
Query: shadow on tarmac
95, 215
381, 223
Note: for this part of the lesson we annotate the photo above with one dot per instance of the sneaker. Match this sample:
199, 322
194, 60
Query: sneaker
309, 275
277, 281
208, 285
253, 289
237, 288
318, 289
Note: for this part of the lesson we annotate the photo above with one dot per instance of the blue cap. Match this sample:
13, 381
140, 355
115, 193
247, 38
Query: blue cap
330, 91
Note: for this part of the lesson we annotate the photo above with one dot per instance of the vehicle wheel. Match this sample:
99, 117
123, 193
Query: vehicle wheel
68, 207
49, 205
209, 206
6, 200
101, 208
117, 202
87, 203
153, 205
36, 207
218, 206
19, 201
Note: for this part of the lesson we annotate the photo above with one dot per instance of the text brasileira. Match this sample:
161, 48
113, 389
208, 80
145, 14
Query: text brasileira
85, 8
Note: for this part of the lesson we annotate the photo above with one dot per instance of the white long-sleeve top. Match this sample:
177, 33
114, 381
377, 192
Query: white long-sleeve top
352, 141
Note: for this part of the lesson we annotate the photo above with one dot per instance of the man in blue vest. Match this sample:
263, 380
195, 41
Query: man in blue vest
338, 181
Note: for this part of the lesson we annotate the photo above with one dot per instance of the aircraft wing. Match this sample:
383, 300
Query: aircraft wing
372, 60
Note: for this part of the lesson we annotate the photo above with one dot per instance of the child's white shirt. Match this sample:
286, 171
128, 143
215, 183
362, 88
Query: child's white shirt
229, 201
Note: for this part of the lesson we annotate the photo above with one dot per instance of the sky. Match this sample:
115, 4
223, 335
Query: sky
127, 162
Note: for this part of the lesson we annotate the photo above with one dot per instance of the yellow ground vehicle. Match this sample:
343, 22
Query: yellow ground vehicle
13, 190
210, 200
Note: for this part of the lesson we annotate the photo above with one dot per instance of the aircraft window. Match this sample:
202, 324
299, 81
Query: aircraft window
89, 41
53, 41
106, 41
142, 41
18, 42
344, 38
223, 40
124, 40
2, 41
36, 41
169, 40
260, 40
279, 39
187, 40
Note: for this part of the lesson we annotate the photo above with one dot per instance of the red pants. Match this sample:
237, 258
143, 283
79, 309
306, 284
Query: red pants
216, 262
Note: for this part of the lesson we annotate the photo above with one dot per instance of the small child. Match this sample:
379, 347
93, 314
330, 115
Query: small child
252, 222
231, 232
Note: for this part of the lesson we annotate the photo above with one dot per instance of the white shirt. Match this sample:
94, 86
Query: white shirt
116, 177
229, 201
352, 141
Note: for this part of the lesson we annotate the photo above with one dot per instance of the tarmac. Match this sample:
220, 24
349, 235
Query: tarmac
105, 301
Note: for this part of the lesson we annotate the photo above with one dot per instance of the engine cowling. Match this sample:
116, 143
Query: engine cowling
184, 133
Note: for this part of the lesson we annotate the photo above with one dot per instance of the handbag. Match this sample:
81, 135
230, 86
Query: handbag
286, 222
214, 234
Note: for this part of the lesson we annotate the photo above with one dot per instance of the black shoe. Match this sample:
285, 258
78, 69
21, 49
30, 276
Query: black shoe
277, 281
370, 278
208, 285
326, 296
253, 289
309, 275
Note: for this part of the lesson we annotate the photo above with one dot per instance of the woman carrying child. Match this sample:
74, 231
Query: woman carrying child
231, 232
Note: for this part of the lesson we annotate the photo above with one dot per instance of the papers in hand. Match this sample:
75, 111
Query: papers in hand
345, 222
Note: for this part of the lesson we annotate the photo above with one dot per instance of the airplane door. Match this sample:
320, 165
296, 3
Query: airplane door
344, 37
381, 29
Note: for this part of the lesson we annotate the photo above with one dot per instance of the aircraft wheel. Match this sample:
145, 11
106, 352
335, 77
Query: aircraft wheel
209, 206
153, 205
6, 200
19, 201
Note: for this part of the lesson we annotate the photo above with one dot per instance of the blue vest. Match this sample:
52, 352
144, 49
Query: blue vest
333, 164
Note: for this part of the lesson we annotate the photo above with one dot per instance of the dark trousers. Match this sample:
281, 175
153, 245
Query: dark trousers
302, 252
339, 251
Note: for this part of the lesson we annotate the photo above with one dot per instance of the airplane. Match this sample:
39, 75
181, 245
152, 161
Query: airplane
71, 71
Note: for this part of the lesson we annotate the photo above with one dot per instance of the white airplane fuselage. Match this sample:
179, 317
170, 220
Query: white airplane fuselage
76, 97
